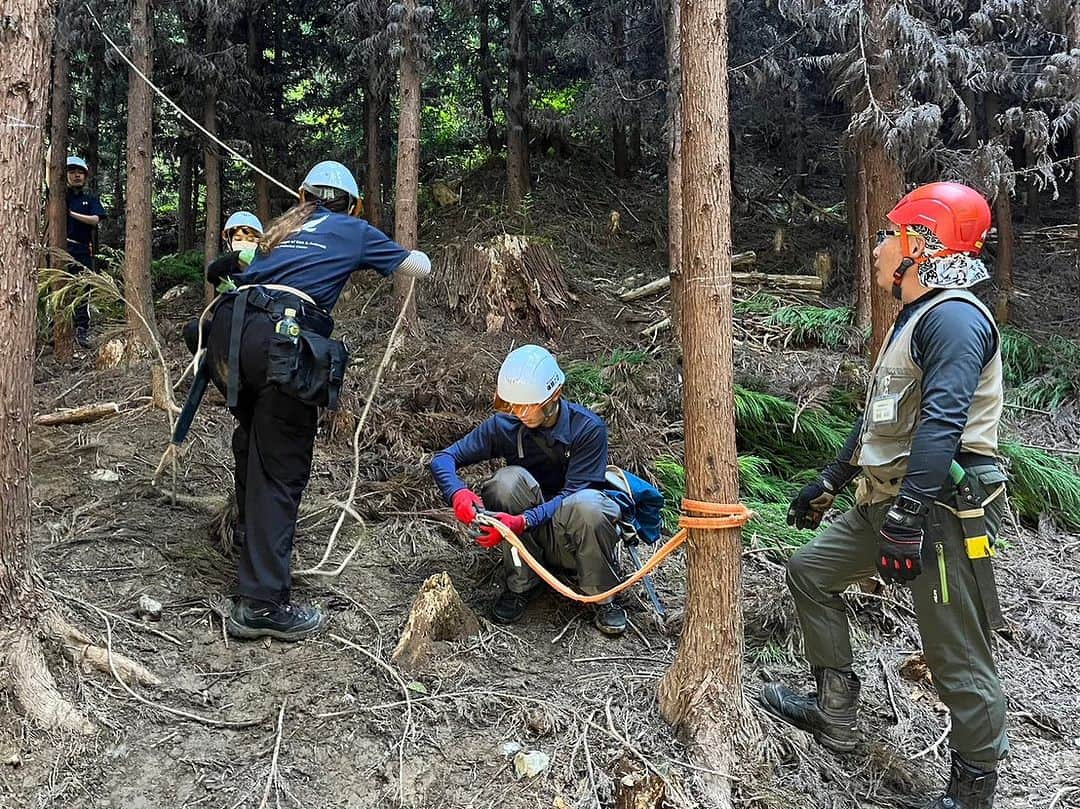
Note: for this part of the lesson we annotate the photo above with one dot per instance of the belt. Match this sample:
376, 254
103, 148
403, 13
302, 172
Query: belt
272, 299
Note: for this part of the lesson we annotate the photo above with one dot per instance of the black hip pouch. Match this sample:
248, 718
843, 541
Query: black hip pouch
310, 369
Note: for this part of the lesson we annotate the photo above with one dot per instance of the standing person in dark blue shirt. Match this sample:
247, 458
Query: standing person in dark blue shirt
269, 352
84, 215
552, 492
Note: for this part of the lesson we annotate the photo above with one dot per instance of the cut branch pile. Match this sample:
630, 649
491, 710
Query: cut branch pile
507, 283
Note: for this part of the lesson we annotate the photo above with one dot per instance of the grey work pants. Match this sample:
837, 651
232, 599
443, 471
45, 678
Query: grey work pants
956, 637
581, 537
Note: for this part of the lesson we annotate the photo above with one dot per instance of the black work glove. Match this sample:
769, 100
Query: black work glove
224, 265
899, 556
810, 504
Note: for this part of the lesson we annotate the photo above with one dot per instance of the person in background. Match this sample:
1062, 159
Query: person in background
85, 213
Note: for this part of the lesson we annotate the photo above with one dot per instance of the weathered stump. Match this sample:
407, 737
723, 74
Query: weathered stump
437, 614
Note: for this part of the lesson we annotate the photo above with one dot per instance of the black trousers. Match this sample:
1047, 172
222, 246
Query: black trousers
82, 309
272, 448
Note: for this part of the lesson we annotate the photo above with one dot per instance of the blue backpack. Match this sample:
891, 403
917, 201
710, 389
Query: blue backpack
641, 504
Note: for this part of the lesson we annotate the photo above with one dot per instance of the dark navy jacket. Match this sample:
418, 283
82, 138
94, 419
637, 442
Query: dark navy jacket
319, 258
79, 234
566, 458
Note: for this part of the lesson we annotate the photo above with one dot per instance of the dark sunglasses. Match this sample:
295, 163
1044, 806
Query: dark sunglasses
882, 235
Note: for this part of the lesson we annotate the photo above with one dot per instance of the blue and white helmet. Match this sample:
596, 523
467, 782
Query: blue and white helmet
244, 219
329, 174
74, 162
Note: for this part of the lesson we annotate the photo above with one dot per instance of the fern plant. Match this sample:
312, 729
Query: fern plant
828, 327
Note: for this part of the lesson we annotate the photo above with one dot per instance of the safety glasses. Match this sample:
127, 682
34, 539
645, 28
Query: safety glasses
525, 412
882, 235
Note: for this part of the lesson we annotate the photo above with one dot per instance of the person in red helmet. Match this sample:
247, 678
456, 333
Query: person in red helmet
929, 498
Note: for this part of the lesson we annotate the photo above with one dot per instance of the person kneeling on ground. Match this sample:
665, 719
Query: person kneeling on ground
929, 501
552, 493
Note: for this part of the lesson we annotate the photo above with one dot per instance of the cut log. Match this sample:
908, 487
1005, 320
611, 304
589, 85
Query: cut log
78, 415
437, 614
798, 282
506, 283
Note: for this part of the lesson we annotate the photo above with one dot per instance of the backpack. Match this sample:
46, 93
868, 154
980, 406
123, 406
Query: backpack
641, 502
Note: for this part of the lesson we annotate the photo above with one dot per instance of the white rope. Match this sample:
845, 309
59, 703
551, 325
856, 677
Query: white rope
232, 152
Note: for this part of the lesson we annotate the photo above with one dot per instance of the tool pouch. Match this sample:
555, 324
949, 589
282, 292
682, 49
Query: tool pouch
311, 369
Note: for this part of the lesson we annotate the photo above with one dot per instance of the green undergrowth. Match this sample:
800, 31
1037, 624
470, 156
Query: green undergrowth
828, 327
1039, 374
1041, 482
178, 268
589, 382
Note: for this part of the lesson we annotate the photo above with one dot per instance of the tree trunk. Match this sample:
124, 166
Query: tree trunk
635, 143
1032, 207
57, 209
674, 160
92, 107
859, 228
212, 171
255, 67
486, 77
881, 180
518, 180
618, 126
373, 182
185, 210
1073, 24
701, 694
406, 215
140, 152
1003, 258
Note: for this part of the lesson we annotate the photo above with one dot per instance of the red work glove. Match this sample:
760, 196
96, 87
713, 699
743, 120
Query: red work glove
466, 503
489, 537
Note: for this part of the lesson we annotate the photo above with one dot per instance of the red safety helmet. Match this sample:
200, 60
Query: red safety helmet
958, 215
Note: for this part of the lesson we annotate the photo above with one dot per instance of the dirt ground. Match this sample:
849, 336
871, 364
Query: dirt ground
326, 724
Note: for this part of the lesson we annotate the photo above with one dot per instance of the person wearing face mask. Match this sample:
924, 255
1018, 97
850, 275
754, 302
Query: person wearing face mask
240, 237
930, 497
553, 492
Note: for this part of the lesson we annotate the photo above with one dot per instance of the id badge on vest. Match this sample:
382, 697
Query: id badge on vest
884, 409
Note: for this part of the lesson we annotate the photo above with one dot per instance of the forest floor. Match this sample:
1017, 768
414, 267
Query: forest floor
334, 728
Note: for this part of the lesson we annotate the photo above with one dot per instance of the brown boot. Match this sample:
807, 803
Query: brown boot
830, 713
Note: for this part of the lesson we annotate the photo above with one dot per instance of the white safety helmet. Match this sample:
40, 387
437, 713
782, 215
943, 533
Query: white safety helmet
243, 219
74, 162
329, 177
529, 376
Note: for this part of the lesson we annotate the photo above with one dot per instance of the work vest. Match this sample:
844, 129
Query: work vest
894, 405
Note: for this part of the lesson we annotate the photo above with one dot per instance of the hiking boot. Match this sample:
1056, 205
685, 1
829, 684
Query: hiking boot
830, 714
252, 619
82, 337
610, 618
969, 787
510, 606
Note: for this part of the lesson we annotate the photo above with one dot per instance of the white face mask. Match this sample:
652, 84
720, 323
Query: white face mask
241, 244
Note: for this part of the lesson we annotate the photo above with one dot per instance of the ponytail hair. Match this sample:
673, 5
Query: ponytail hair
286, 225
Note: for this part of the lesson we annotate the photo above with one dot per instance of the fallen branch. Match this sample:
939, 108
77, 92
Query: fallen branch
663, 283
272, 777
78, 415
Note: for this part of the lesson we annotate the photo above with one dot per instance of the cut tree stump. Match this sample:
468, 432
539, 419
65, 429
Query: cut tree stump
78, 415
437, 614
506, 283
635, 787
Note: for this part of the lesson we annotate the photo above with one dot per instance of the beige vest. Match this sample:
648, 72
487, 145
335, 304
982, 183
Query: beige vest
894, 405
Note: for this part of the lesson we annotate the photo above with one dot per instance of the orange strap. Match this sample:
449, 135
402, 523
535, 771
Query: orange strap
708, 515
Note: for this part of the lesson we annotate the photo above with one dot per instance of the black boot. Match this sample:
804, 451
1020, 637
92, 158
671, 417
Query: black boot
252, 619
969, 787
830, 713
510, 606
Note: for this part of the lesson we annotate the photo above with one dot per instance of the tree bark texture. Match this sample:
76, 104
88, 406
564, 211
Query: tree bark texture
185, 213
486, 77
880, 178
140, 197
24, 75
212, 170
859, 228
674, 160
618, 126
373, 182
518, 180
255, 63
406, 214
92, 107
1003, 219
1073, 24
701, 694
57, 208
